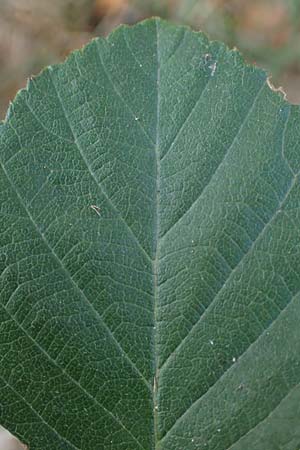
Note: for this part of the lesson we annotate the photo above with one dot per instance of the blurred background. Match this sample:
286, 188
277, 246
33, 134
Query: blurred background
35, 33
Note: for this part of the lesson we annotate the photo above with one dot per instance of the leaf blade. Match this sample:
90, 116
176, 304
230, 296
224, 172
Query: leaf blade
149, 193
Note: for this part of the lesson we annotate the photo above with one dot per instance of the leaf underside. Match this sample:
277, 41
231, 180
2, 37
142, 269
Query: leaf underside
150, 251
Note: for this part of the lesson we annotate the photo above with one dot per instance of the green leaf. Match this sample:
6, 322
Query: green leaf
150, 252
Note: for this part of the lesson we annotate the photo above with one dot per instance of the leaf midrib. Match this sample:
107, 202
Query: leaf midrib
156, 251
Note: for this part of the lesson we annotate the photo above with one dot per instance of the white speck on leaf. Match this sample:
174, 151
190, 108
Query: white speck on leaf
213, 68
96, 209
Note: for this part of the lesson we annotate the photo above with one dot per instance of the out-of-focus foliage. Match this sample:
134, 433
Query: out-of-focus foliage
35, 33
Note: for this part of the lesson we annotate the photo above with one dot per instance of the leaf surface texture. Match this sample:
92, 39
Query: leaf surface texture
149, 251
